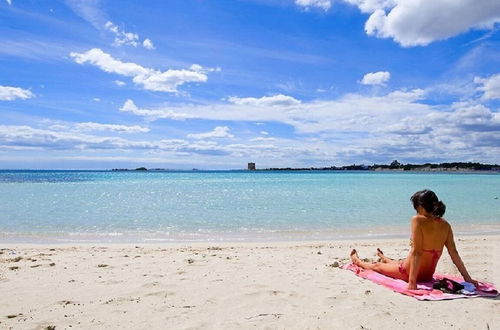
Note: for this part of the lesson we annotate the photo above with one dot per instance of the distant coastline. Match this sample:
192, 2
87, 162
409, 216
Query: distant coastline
397, 166
393, 166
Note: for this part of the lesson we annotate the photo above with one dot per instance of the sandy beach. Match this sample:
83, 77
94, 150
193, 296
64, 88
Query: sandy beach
276, 285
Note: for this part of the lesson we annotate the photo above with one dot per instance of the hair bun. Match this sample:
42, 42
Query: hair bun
439, 209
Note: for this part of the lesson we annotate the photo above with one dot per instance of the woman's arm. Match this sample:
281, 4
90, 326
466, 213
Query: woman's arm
455, 257
415, 253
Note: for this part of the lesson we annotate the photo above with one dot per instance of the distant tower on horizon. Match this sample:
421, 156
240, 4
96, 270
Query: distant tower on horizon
251, 166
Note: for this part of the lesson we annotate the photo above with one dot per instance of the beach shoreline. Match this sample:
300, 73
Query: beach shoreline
230, 243
234, 236
195, 285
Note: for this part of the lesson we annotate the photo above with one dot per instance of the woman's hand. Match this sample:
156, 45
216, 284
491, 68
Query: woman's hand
476, 283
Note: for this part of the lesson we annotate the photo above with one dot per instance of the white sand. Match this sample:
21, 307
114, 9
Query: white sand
231, 286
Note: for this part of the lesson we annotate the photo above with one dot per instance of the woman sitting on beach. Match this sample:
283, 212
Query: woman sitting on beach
429, 234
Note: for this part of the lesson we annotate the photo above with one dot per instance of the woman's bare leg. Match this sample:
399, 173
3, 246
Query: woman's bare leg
390, 269
358, 262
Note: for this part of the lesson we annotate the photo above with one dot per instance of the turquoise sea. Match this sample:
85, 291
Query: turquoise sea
134, 206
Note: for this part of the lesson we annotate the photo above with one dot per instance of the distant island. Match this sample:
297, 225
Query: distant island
142, 168
397, 166
138, 169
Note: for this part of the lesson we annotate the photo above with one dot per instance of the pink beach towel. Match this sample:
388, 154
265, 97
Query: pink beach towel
424, 289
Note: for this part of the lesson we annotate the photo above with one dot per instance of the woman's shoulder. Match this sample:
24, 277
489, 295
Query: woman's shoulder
445, 223
419, 219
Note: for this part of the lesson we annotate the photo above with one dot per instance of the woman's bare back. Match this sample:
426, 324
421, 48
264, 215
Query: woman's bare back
433, 234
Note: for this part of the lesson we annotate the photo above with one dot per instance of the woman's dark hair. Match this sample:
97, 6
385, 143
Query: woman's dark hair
429, 201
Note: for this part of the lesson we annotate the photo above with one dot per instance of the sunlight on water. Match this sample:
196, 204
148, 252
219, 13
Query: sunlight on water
198, 204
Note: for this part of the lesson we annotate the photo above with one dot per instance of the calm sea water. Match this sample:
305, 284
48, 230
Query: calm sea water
232, 205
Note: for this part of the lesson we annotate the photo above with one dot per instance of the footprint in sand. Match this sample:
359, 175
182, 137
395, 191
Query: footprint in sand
265, 315
16, 259
163, 294
256, 286
151, 284
65, 302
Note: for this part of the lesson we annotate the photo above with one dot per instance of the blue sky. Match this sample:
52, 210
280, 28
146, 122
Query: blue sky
214, 84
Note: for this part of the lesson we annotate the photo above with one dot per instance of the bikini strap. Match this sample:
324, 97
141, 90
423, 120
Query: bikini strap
435, 254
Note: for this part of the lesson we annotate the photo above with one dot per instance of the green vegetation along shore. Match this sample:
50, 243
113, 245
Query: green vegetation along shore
397, 166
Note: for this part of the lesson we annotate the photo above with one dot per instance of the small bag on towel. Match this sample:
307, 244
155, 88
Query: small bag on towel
448, 286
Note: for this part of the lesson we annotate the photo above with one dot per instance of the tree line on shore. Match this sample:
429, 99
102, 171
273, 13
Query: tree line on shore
397, 166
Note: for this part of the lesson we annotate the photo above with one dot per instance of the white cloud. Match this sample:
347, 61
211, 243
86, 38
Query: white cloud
122, 37
8, 93
420, 22
376, 78
27, 136
129, 106
265, 101
353, 128
90, 126
489, 86
149, 79
148, 44
14, 137
127, 38
109, 64
218, 132
352, 112
9, 2
59, 127
90, 10
472, 120
61, 145
119, 83
307, 4
369, 6
263, 139
77, 127
96, 99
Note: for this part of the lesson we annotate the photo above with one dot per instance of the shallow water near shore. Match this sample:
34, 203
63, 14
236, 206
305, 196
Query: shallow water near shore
81, 206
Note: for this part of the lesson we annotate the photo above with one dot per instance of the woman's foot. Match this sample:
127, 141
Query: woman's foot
383, 258
354, 257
